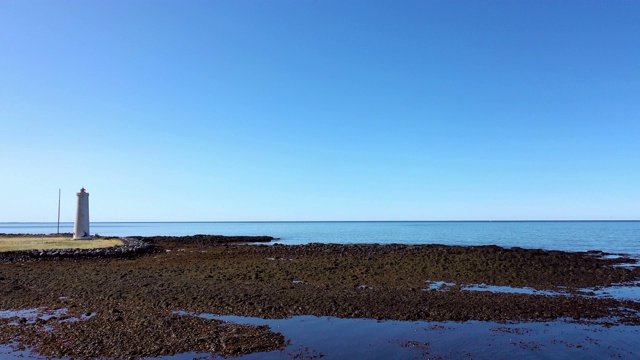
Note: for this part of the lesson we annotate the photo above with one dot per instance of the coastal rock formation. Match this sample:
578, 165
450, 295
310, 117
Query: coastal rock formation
129, 248
203, 240
132, 246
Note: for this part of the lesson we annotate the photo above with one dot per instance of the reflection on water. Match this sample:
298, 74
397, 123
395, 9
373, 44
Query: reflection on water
622, 291
29, 316
629, 291
335, 338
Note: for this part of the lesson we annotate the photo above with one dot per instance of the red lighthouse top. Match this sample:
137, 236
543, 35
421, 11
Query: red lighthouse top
82, 190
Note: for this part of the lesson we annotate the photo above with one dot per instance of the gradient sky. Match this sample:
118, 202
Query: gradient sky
320, 110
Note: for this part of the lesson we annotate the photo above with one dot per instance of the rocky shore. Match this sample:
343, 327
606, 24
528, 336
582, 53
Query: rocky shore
132, 246
137, 297
129, 248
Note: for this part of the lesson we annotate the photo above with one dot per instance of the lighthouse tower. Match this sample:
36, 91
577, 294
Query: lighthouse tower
81, 227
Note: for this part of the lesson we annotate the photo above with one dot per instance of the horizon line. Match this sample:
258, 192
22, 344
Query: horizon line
321, 221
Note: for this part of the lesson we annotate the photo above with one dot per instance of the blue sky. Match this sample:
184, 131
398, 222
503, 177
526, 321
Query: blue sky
320, 110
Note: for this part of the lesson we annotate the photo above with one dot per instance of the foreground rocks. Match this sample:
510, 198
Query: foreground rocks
136, 297
135, 333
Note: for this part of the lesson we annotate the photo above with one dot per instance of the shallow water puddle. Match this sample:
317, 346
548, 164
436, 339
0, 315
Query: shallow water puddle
620, 291
313, 337
31, 315
438, 285
509, 289
7, 352
334, 338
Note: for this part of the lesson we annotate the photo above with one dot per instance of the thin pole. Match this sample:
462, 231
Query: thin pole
59, 190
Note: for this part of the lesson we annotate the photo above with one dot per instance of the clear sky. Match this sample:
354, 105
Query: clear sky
320, 110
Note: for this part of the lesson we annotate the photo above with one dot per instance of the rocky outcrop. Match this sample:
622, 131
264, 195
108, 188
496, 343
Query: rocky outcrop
130, 247
203, 240
133, 246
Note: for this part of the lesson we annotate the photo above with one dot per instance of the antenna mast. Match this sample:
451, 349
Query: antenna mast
59, 190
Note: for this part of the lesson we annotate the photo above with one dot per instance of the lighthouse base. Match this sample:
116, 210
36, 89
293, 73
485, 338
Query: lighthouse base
84, 235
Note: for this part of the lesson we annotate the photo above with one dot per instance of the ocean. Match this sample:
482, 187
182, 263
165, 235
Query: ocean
609, 236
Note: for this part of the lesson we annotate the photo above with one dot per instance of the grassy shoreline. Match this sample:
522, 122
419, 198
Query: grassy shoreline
25, 243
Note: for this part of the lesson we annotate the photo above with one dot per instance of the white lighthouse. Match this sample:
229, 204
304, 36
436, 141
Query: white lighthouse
81, 227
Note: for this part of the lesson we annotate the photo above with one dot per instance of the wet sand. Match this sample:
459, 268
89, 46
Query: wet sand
133, 300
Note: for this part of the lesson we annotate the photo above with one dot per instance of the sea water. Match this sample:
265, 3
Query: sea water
609, 236
328, 337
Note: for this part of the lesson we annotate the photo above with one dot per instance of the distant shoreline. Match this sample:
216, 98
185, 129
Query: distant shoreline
312, 221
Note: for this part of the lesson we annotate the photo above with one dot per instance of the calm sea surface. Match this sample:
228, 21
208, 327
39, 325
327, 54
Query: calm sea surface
609, 236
